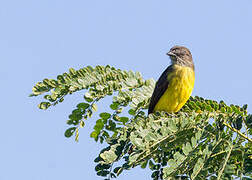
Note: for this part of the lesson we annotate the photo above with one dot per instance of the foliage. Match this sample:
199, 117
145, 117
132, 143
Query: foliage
206, 139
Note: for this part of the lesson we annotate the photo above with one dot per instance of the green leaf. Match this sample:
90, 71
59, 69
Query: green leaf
119, 110
44, 105
172, 163
76, 116
111, 126
245, 107
179, 157
249, 121
230, 169
72, 71
101, 167
151, 165
114, 106
83, 106
124, 119
144, 164
103, 173
151, 137
69, 132
94, 135
137, 142
170, 169
108, 156
132, 112
223, 110
116, 118
105, 115
193, 141
105, 134
238, 122
197, 168
88, 97
61, 99
187, 148
198, 135
99, 125
155, 174
172, 126
61, 79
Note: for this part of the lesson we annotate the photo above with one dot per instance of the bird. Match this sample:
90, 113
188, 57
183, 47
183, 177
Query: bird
175, 85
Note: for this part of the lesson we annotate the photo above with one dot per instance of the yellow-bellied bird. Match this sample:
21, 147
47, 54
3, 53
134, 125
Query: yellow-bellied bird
176, 83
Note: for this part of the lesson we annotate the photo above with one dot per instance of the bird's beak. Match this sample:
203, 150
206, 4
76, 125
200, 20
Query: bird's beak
170, 53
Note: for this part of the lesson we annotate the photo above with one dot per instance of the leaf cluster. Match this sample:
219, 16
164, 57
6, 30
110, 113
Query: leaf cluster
206, 139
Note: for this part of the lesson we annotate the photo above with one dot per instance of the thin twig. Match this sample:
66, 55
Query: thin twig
237, 131
225, 163
233, 129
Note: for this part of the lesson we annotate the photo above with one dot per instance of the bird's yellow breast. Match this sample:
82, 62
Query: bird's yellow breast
181, 83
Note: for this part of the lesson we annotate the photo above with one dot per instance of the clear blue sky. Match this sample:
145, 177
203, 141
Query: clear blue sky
43, 38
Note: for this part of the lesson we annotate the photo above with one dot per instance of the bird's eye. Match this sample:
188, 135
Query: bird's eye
175, 51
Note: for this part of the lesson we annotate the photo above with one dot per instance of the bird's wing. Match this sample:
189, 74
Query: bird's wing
160, 88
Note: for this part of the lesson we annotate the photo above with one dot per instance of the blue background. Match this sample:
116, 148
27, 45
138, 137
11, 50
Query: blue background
41, 39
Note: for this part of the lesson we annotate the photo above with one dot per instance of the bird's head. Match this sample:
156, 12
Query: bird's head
181, 55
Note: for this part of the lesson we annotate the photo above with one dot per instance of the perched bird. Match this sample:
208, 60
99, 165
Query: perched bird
176, 83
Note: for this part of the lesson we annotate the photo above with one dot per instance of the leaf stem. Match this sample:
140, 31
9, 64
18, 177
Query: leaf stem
237, 131
225, 162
